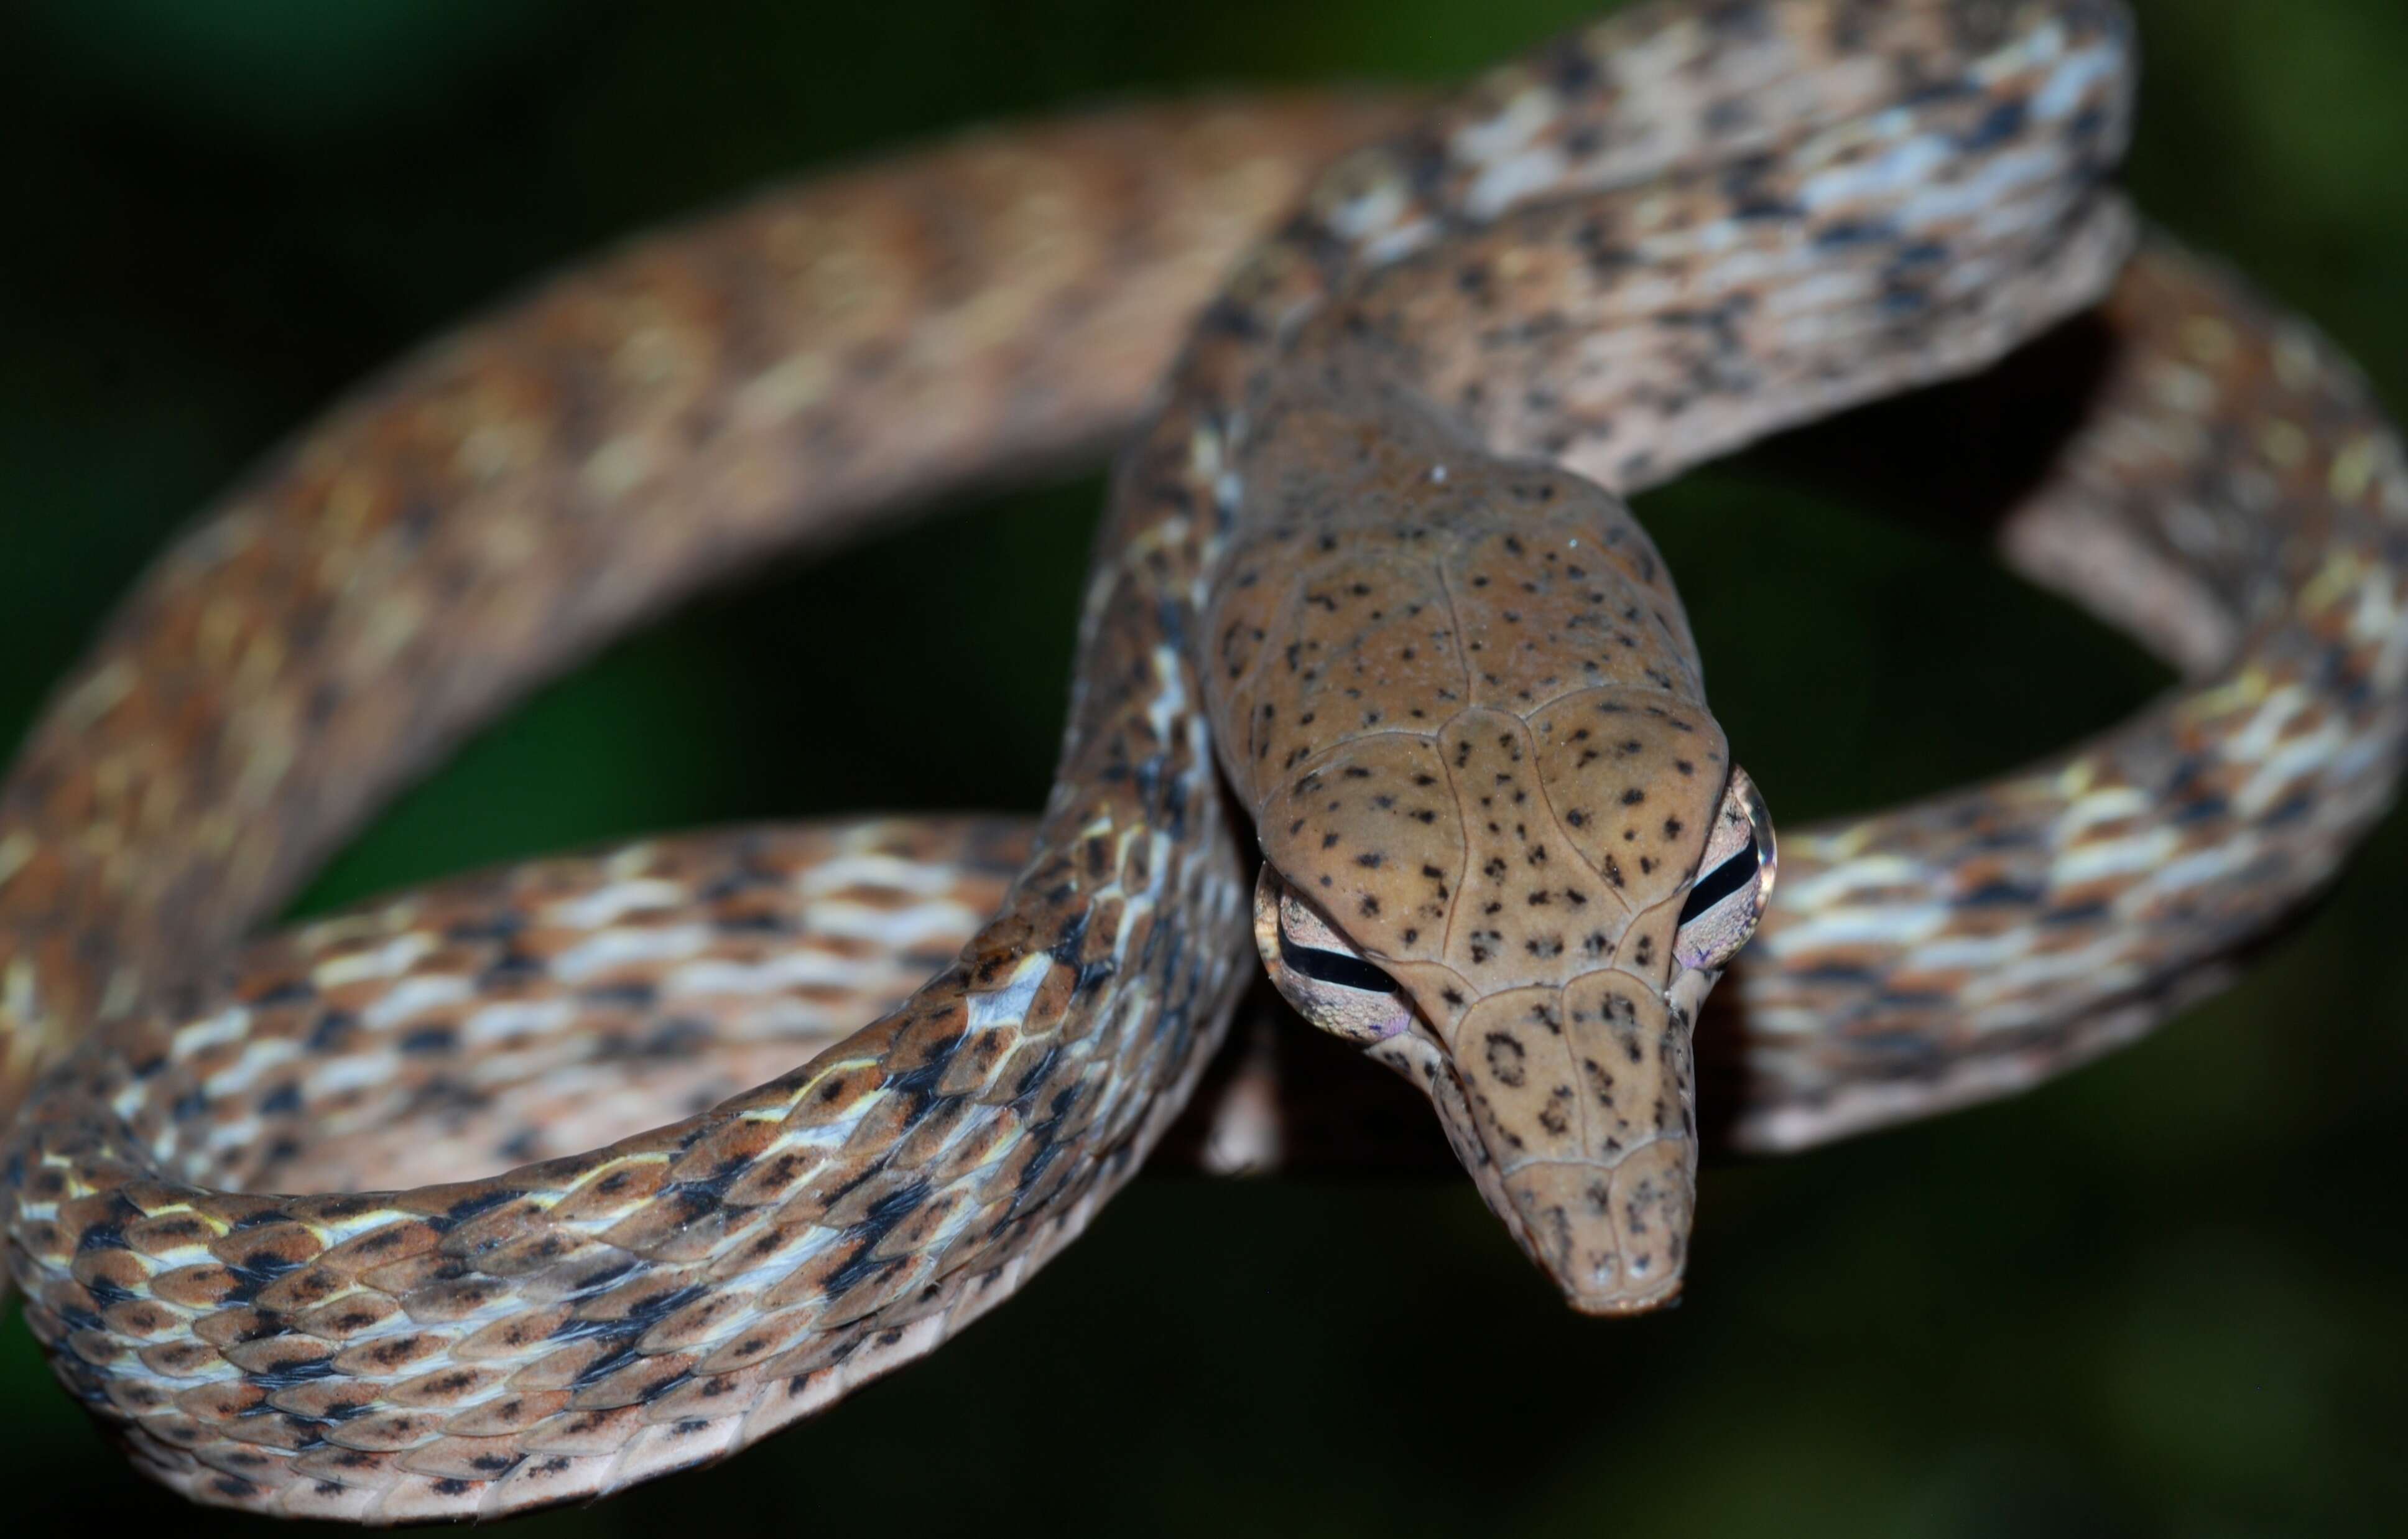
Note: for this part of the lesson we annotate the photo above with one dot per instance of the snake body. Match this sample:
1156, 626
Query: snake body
1673, 231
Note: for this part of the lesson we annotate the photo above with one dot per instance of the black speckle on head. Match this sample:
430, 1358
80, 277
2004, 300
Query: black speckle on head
1507, 1060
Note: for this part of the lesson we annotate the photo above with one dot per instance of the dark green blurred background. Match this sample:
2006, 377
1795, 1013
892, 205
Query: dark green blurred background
2165, 1297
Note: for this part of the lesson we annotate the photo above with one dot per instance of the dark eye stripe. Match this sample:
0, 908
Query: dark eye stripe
1720, 882
1335, 967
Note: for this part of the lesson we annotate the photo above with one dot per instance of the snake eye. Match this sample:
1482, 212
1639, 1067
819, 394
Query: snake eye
1319, 972
1333, 966
1734, 880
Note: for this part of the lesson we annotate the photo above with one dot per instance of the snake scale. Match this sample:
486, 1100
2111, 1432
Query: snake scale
1365, 579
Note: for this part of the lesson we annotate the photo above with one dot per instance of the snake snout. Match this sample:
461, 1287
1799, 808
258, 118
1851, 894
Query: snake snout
1581, 1100
1614, 1236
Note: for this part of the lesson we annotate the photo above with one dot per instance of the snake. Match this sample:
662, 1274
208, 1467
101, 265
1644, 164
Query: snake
1366, 599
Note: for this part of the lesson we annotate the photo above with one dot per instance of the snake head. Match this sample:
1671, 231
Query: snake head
1505, 850
1572, 1102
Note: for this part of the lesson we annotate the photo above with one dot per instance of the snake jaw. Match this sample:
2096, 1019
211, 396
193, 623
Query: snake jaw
1607, 1225
1571, 1106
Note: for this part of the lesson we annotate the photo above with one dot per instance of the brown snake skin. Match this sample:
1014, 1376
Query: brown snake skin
1680, 230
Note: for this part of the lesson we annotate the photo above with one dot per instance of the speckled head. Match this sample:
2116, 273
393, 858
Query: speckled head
1506, 850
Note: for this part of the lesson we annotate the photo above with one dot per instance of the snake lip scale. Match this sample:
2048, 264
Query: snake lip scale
1366, 599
